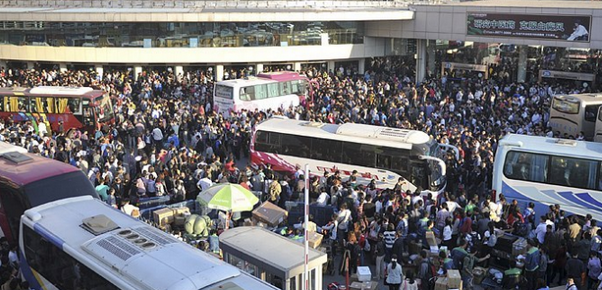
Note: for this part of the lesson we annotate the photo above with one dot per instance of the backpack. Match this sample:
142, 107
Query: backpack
468, 264
522, 229
430, 274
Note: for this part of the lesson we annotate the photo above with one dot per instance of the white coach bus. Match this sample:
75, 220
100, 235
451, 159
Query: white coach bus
381, 153
81, 243
549, 171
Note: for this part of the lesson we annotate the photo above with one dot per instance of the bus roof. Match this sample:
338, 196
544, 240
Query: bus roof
357, 133
85, 92
583, 98
237, 83
23, 168
282, 76
264, 78
108, 242
554, 146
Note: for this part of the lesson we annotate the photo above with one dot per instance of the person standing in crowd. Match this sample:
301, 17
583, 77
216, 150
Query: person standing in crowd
394, 275
166, 131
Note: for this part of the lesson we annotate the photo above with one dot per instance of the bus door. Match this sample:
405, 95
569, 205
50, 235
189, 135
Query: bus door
598, 129
87, 115
589, 121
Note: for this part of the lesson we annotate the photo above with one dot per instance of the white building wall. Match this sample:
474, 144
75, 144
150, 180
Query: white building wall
372, 47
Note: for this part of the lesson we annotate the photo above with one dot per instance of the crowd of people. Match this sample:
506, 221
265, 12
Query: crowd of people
167, 141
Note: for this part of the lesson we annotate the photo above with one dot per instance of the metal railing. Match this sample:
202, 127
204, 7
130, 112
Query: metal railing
215, 4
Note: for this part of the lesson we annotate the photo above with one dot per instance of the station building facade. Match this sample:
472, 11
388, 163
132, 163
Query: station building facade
539, 38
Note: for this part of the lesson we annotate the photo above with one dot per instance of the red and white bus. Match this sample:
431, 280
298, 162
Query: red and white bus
265, 91
78, 107
28, 180
381, 153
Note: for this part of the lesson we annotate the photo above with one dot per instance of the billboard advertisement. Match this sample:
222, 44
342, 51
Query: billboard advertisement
550, 27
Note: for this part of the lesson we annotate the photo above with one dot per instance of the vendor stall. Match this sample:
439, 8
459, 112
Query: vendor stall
271, 257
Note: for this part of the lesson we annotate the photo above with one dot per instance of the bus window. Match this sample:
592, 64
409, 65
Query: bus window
383, 160
600, 179
16, 104
273, 90
62, 105
224, 92
418, 176
295, 145
34, 106
103, 108
75, 106
285, 88
267, 142
327, 150
88, 114
58, 267
244, 95
296, 87
582, 173
559, 172
261, 92
526, 166
358, 154
567, 106
590, 112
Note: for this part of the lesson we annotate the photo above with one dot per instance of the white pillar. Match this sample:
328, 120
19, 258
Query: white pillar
297, 66
331, 66
521, 75
179, 70
99, 70
137, 71
219, 72
62, 67
258, 68
361, 66
420, 60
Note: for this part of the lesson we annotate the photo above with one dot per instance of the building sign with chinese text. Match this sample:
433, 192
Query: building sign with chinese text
552, 27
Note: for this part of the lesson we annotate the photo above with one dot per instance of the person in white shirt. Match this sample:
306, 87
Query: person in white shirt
540, 230
579, 33
42, 130
129, 209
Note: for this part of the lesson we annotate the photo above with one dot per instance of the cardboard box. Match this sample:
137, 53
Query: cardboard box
163, 216
364, 274
459, 288
270, 214
181, 211
371, 285
180, 220
454, 280
431, 240
314, 239
479, 274
441, 283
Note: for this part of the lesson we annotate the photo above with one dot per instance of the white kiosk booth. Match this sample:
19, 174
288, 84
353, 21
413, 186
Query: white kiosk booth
271, 257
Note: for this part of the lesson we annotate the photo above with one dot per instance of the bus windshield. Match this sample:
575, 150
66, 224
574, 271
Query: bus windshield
58, 187
436, 177
567, 106
224, 92
104, 109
